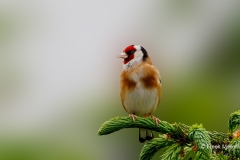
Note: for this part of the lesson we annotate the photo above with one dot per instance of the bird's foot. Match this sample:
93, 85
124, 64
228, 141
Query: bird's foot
146, 115
133, 116
156, 120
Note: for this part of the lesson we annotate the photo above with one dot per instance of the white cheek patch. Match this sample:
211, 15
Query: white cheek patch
138, 47
138, 55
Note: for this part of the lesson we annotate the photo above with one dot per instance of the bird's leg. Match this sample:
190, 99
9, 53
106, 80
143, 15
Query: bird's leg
146, 115
133, 116
155, 120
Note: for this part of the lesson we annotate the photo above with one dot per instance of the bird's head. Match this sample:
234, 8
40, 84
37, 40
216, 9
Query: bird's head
133, 54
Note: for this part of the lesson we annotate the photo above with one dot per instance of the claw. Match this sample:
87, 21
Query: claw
133, 117
156, 120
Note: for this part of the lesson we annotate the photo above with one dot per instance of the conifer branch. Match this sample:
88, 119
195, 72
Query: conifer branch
234, 121
151, 147
181, 141
177, 131
220, 156
218, 137
172, 152
234, 148
118, 123
201, 139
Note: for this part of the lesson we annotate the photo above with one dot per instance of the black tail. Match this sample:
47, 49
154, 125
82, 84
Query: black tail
145, 134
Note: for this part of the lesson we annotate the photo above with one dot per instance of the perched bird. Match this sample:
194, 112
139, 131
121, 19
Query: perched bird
140, 86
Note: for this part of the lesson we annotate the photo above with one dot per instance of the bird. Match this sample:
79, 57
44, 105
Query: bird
140, 87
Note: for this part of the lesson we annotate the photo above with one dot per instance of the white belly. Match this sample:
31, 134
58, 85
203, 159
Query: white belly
141, 101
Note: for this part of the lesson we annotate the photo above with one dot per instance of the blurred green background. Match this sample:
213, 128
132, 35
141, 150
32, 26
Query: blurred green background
59, 71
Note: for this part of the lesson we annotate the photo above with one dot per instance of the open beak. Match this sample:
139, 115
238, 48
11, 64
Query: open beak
123, 55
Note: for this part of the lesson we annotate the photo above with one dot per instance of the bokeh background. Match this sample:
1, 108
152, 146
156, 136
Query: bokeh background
59, 75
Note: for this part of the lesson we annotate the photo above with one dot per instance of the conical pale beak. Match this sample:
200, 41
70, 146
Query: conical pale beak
123, 55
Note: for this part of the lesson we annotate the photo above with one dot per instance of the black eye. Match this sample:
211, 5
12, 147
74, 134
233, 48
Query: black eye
132, 52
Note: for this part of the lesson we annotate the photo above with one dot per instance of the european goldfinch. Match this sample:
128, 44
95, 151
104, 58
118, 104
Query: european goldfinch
140, 85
